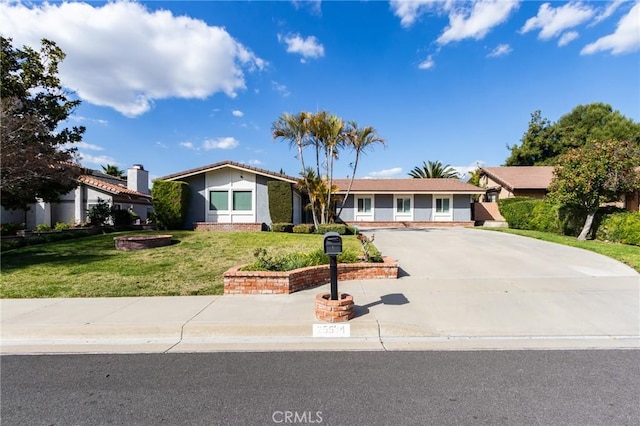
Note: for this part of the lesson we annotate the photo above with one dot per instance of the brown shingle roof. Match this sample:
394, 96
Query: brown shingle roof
408, 186
520, 177
232, 164
110, 187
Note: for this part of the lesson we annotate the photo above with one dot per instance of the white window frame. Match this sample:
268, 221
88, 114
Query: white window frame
364, 216
443, 216
403, 216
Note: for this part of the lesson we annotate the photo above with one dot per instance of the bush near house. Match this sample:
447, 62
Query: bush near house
280, 201
303, 228
620, 228
341, 229
170, 203
517, 211
282, 227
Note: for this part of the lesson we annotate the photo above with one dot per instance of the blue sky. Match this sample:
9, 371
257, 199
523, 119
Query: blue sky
177, 85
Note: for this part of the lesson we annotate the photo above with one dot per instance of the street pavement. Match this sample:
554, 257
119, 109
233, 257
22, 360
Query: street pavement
459, 289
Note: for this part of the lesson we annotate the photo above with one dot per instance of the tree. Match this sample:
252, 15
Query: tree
544, 141
36, 159
597, 173
433, 169
360, 140
112, 170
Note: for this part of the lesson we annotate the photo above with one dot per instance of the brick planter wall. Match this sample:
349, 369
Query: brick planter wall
229, 227
340, 310
268, 282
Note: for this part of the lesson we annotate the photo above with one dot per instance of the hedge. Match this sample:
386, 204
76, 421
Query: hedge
280, 201
620, 228
170, 203
303, 228
517, 211
282, 227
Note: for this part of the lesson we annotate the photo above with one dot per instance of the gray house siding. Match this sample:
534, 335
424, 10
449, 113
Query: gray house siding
461, 208
347, 211
383, 207
422, 207
197, 200
262, 200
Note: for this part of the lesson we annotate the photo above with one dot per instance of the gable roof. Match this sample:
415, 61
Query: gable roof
413, 186
231, 164
111, 188
520, 177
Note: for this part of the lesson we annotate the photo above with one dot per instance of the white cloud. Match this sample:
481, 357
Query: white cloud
625, 39
477, 21
610, 9
280, 88
464, 172
567, 38
554, 21
410, 11
308, 47
385, 173
500, 50
96, 159
220, 143
254, 162
315, 6
188, 145
88, 146
123, 56
81, 119
237, 113
427, 64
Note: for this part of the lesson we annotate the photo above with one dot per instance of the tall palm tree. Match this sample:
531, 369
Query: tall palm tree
359, 139
433, 169
295, 129
112, 170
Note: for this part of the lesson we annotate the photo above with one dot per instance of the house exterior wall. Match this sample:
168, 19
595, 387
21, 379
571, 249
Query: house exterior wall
422, 207
197, 200
461, 207
383, 207
347, 210
12, 216
531, 193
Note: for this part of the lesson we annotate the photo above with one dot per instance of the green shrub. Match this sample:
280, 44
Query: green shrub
6, 245
43, 227
282, 227
303, 228
10, 228
123, 217
518, 211
621, 228
170, 203
280, 201
100, 213
332, 227
546, 218
267, 260
61, 225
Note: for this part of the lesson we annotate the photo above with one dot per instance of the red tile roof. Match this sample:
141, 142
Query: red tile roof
110, 187
520, 177
408, 186
232, 164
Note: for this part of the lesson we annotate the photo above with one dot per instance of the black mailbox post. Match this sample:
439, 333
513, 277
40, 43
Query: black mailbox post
332, 248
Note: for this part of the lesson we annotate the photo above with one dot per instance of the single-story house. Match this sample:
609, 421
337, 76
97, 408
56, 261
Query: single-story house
229, 195
515, 181
126, 194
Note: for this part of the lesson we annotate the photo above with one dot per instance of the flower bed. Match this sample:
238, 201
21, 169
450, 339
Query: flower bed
268, 282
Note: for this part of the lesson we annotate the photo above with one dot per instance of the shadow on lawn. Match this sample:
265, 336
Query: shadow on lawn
33, 257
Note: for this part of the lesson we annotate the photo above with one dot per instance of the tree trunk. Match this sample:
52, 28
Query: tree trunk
587, 225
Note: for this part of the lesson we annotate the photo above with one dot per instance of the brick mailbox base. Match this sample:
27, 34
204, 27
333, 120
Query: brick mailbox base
340, 310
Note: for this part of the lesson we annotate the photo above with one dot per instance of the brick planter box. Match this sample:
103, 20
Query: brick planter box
268, 282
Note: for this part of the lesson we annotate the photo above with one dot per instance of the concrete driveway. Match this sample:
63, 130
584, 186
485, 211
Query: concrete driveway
474, 284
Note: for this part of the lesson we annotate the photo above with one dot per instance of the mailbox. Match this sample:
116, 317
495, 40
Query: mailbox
332, 243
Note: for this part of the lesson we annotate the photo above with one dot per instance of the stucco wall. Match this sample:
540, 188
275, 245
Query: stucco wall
461, 207
422, 207
347, 211
383, 207
197, 200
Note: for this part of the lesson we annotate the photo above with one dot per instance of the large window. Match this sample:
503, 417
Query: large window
364, 205
218, 200
403, 205
242, 200
443, 205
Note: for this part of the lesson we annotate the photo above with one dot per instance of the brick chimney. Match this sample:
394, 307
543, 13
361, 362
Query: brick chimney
138, 179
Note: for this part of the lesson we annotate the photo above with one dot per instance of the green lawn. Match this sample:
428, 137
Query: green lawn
624, 253
92, 267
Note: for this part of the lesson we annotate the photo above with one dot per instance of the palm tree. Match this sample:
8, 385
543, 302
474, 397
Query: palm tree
359, 139
433, 169
295, 129
112, 170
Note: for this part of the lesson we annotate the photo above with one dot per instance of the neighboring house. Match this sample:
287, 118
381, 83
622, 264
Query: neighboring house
229, 195
413, 202
126, 194
515, 181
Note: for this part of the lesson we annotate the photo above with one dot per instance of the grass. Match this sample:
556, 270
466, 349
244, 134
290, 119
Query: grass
92, 267
624, 253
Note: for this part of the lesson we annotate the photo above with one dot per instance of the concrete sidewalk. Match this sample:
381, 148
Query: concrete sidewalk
402, 314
